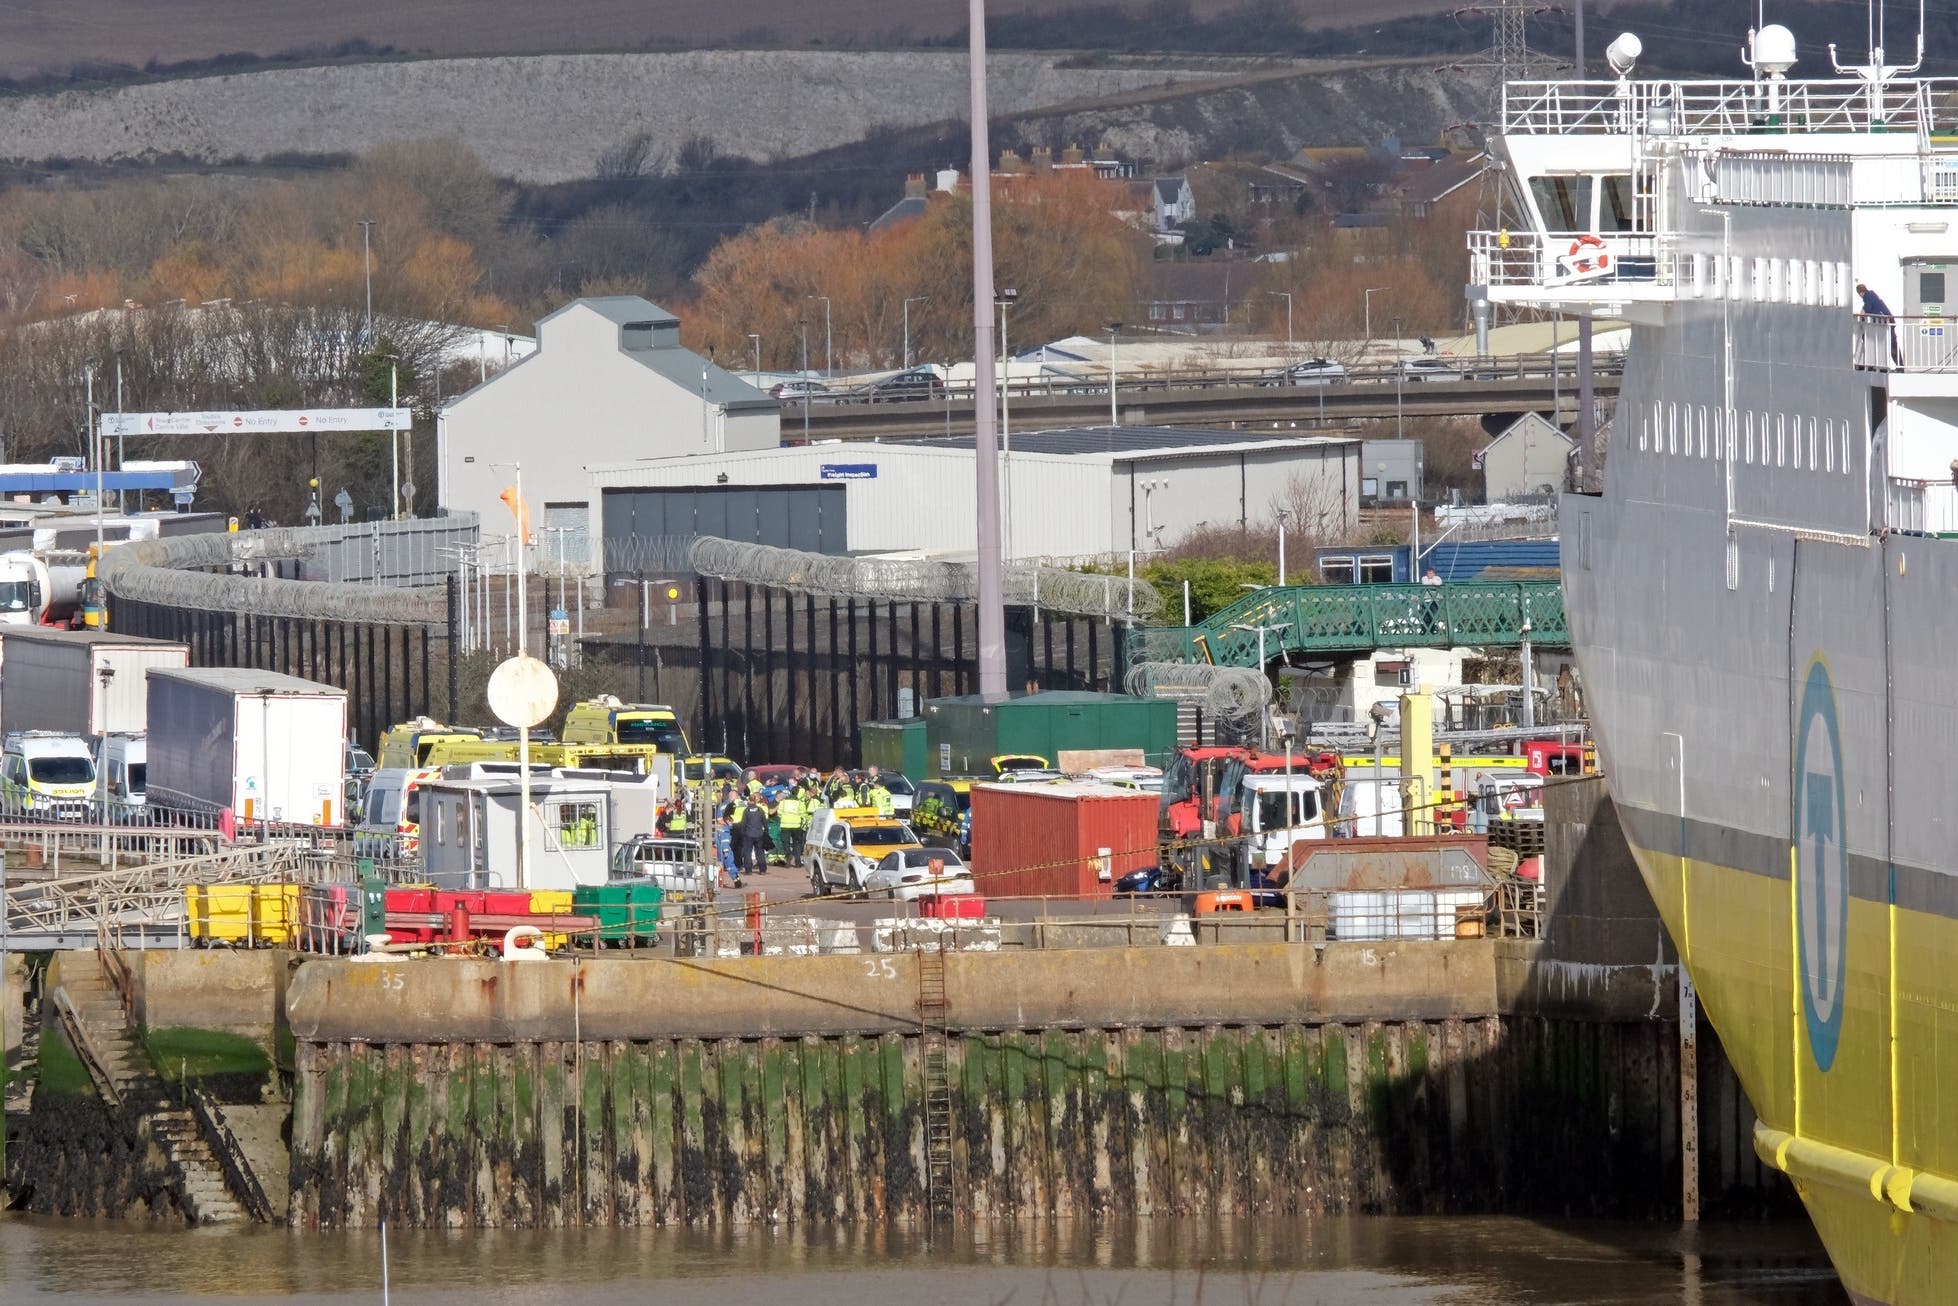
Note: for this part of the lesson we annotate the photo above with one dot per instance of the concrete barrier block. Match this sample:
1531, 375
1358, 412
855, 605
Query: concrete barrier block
1176, 932
837, 938
901, 935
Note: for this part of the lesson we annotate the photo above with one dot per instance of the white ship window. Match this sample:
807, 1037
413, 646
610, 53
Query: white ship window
1747, 440
1702, 430
1672, 428
1845, 448
1617, 210
1564, 203
1829, 445
1812, 427
1780, 439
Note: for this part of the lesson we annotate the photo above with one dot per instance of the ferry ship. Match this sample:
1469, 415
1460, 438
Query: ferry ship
1764, 594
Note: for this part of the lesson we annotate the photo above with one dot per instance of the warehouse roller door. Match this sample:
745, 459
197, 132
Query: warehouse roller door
648, 529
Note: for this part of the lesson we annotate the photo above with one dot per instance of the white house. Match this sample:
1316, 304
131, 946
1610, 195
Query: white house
1530, 457
1175, 203
609, 381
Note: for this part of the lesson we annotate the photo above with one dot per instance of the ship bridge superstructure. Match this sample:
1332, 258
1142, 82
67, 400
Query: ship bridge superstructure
1683, 205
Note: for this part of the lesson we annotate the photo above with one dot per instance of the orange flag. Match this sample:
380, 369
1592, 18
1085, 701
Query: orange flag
518, 511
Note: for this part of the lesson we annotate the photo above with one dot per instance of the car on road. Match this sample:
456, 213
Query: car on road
792, 390
1432, 369
910, 873
1311, 371
846, 843
918, 383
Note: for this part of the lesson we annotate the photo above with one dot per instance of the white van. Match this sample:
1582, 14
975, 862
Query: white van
122, 762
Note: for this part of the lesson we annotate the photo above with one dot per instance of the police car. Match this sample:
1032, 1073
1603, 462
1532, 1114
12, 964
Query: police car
845, 844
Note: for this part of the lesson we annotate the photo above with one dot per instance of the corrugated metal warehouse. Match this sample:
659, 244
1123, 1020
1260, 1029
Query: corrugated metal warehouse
1072, 493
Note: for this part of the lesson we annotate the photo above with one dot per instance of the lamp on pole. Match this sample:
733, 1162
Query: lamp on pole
829, 360
1113, 421
1260, 629
1285, 295
94, 447
1007, 298
394, 434
1284, 515
992, 612
1400, 377
367, 262
915, 299
1366, 297
757, 339
805, 381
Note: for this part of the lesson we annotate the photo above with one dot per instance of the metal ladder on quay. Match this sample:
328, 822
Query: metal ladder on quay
933, 1006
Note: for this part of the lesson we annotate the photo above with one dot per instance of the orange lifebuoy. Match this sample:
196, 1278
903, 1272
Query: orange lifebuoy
1583, 259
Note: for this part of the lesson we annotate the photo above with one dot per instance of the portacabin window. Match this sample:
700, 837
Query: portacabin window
1337, 571
573, 826
1376, 569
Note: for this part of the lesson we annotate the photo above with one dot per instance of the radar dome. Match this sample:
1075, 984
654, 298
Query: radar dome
1774, 49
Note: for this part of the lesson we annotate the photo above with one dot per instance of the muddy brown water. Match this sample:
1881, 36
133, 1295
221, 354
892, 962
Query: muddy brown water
1341, 1261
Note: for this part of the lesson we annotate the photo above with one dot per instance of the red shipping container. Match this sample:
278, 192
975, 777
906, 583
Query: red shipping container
1056, 840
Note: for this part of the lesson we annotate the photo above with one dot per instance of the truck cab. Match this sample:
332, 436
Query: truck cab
609, 720
48, 776
1226, 806
846, 843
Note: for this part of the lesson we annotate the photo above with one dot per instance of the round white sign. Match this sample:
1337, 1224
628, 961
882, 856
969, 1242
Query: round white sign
522, 691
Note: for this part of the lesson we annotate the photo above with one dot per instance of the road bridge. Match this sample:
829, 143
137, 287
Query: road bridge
1219, 404
1356, 620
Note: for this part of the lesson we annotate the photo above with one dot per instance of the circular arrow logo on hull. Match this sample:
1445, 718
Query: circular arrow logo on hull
1821, 865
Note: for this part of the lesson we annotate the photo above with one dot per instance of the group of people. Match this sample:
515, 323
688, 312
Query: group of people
756, 822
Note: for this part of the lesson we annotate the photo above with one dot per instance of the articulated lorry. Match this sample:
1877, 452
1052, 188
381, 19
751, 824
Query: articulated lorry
80, 682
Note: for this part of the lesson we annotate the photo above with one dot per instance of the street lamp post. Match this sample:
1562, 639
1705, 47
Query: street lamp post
1113, 420
1285, 295
1400, 377
915, 299
1367, 300
94, 451
367, 262
805, 383
757, 339
1283, 515
1264, 718
394, 433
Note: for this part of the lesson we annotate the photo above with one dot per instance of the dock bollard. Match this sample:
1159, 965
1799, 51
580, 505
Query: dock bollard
754, 904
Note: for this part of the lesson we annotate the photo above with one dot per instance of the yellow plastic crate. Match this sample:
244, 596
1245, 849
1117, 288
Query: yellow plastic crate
219, 913
550, 902
275, 914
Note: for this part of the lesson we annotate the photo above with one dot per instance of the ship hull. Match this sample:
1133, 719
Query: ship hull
1774, 721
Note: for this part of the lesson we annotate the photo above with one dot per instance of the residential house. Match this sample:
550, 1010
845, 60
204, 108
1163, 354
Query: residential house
1174, 203
1530, 458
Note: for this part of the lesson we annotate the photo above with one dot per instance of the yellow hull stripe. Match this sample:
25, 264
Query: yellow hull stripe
1871, 1144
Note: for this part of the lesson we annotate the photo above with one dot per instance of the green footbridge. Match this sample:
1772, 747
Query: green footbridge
1356, 620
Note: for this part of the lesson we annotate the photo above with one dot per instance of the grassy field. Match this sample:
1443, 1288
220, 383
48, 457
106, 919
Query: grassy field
38, 36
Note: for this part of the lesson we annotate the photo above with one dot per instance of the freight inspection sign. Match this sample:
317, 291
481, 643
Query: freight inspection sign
280, 421
849, 471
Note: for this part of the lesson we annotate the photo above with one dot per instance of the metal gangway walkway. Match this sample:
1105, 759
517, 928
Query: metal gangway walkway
1355, 620
141, 906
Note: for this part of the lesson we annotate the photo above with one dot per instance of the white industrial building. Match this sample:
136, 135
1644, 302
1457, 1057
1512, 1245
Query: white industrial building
1073, 493
608, 380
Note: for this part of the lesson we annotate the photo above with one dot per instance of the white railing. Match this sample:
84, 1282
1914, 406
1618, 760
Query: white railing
1906, 344
1921, 507
1559, 260
1722, 108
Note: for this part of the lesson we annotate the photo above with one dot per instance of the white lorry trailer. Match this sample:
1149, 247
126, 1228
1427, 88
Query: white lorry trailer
265, 746
80, 682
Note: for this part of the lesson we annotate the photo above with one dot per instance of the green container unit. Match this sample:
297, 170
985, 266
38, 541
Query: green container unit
963, 735
626, 910
895, 746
